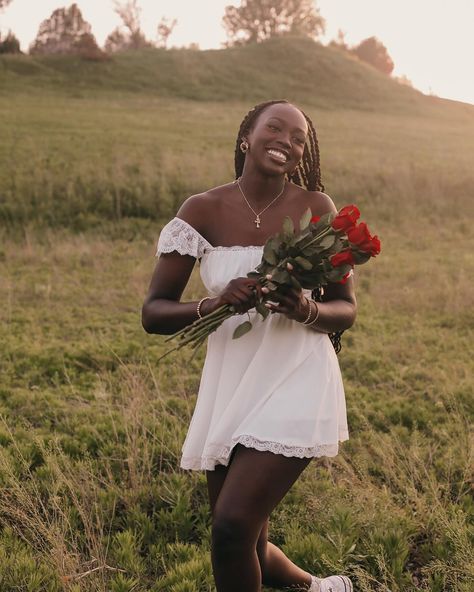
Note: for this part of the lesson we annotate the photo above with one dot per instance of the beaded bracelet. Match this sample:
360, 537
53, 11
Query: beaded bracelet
310, 312
307, 321
198, 308
317, 314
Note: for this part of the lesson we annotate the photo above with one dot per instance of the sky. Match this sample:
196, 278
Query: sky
430, 41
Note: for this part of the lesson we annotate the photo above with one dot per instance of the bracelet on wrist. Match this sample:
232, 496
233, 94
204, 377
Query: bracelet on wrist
317, 314
309, 321
198, 308
310, 312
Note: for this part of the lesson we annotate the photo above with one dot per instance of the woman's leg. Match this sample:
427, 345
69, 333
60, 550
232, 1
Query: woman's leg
242, 498
277, 570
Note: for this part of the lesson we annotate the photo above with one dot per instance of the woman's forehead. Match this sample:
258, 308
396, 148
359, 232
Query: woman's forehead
287, 113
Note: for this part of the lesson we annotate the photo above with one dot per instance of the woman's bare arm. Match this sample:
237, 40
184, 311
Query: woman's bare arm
162, 310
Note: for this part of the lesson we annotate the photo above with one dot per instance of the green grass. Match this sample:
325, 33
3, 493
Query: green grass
300, 67
95, 157
86, 141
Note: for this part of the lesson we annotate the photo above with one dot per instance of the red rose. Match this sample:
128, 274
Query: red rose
345, 277
346, 218
358, 235
373, 247
315, 219
342, 258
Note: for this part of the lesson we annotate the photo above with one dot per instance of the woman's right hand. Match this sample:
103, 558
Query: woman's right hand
242, 293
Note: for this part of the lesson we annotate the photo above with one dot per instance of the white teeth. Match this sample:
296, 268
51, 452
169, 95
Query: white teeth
277, 154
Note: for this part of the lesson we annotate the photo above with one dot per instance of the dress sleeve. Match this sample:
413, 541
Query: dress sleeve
180, 236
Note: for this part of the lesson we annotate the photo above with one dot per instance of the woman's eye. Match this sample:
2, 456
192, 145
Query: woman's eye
274, 128
299, 140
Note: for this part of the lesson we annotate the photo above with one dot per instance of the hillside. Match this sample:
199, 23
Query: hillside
134, 136
94, 158
298, 69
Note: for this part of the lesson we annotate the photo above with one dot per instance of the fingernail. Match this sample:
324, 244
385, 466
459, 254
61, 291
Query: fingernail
269, 276
268, 305
265, 290
289, 267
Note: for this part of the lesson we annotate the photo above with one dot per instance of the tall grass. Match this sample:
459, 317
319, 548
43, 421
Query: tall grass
91, 427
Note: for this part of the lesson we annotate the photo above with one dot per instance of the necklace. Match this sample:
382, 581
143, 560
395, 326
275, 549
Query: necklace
257, 214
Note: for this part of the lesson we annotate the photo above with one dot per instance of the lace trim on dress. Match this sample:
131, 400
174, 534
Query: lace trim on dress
237, 248
180, 236
222, 455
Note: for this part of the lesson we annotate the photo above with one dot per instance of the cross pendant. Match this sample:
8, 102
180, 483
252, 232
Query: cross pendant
257, 221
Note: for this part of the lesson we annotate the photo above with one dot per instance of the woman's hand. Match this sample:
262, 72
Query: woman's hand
242, 293
291, 302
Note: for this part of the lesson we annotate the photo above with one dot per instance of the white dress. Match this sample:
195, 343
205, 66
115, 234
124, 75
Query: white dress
277, 388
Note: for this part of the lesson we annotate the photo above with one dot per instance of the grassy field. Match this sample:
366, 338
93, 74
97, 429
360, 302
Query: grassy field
91, 426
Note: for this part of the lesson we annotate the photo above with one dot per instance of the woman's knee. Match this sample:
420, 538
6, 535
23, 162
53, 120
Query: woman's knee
233, 530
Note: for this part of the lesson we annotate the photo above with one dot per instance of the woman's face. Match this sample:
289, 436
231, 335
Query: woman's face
277, 139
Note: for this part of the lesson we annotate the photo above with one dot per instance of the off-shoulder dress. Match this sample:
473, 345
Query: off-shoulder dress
277, 388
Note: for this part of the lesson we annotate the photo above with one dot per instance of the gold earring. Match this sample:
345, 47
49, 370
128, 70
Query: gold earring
244, 146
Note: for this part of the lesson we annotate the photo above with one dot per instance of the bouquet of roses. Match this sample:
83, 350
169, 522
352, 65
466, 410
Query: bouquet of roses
324, 250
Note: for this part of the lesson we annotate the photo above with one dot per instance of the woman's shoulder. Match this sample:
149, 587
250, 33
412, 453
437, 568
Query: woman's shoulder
319, 202
198, 209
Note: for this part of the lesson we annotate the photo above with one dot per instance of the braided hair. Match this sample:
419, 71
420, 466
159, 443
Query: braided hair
307, 174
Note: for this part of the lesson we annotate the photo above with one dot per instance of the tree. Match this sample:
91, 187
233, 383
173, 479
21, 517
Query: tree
164, 30
10, 44
340, 41
255, 21
65, 32
132, 37
116, 41
374, 52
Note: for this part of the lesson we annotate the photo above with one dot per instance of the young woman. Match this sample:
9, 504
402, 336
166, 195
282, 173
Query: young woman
273, 399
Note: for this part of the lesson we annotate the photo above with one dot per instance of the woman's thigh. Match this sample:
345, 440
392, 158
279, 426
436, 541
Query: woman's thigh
215, 481
252, 485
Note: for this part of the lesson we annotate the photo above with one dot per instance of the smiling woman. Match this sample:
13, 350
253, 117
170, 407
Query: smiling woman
273, 399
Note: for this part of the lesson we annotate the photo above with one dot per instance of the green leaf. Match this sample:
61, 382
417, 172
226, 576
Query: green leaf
269, 253
288, 226
280, 277
254, 275
304, 263
305, 219
327, 241
262, 309
294, 282
242, 329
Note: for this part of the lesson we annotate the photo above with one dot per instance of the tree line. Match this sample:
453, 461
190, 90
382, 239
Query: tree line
252, 21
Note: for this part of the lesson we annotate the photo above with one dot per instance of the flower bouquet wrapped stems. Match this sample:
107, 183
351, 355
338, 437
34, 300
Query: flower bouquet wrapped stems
324, 250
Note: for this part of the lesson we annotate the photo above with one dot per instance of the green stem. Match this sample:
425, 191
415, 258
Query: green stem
221, 311
203, 332
320, 235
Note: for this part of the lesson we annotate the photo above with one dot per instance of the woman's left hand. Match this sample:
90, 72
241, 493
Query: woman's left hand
291, 302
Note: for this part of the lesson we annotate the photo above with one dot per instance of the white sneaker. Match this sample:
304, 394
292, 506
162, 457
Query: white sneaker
331, 584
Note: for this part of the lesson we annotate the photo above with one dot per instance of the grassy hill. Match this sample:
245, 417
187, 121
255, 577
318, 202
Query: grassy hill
132, 137
94, 157
298, 69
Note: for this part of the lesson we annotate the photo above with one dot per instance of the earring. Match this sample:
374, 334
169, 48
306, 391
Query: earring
244, 146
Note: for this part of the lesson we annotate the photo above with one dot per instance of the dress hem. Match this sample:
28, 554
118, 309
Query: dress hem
221, 455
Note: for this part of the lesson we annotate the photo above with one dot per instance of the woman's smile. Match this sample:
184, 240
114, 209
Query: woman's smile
278, 155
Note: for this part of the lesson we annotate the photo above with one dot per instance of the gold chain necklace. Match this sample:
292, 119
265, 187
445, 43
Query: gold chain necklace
257, 214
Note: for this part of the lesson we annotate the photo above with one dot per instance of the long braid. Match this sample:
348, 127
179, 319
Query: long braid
307, 174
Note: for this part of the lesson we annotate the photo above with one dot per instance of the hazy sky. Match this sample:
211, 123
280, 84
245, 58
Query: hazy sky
430, 41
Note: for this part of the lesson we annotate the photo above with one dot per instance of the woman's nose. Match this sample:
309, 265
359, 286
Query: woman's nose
284, 141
